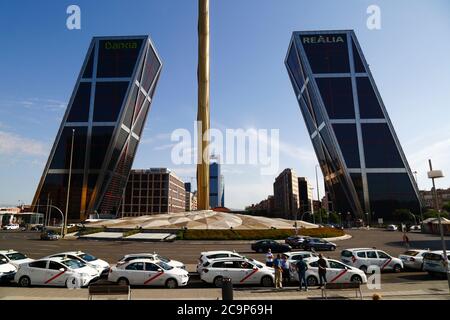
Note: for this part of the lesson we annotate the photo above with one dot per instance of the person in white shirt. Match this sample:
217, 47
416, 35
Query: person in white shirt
269, 258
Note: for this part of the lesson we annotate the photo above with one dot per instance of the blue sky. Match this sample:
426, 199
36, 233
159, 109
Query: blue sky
40, 60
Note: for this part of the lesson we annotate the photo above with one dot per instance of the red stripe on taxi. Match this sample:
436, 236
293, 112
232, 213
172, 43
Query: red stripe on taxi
249, 275
54, 277
154, 277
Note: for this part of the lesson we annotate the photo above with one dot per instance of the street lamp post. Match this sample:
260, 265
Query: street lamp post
435, 174
340, 219
367, 217
59, 210
68, 185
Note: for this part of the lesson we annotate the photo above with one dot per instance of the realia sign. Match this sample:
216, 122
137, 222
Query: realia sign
323, 39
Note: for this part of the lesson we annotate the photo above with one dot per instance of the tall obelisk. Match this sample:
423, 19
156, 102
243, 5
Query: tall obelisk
203, 106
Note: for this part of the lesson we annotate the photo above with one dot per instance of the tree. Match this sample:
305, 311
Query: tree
334, 218
446, 206
434, 214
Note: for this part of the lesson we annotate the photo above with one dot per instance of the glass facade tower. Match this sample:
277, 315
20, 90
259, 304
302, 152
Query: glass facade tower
107, 111
365, 169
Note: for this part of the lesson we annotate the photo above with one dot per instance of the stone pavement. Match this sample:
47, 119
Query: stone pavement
431, 290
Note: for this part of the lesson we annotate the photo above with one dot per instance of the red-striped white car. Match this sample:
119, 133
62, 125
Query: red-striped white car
239, 270
61, 272
337, 272
148, 272
363, 258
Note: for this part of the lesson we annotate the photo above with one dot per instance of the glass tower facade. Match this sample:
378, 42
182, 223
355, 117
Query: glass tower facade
365, 169
106, 115
216, 186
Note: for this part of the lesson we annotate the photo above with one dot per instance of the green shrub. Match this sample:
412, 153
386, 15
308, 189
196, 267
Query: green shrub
276, 234
131, 232
87, 231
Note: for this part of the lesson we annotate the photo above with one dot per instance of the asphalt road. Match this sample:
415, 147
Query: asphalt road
189, 251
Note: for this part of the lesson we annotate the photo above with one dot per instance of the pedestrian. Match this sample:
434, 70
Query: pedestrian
285, 267
406, 240
301, 271
269, 258
278, 272
322, 270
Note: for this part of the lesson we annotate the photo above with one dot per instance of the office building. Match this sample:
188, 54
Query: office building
105, 116
216, 185
429, 199
285, 191
305, 195
153, 191
360, 156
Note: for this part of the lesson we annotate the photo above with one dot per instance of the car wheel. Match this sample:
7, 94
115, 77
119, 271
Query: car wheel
356, 279
363, 269
312, 281
171, 284
24, 281
397, 268
123, 282
267, 281
333, 248
218, 281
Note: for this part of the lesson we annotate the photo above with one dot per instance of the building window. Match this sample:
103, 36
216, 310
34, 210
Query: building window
79, 111
117, 58
369, 106
337, 96
348, 143
109, 97
379, 147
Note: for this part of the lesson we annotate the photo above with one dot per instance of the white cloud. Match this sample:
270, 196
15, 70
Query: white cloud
12, 144
43, 104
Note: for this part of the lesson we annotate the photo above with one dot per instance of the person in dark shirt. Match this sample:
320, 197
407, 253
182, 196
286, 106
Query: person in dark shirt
322, 270
301, 271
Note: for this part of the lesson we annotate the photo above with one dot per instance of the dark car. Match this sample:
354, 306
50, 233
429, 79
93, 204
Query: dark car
318, 244
50, 235
276, 247
37, 227
295, 241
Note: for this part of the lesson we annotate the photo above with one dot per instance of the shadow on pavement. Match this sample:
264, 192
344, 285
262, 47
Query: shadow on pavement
432, 244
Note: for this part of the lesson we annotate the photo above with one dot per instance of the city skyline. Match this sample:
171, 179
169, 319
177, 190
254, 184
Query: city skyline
29, 119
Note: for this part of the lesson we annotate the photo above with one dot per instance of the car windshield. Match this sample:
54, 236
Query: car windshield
87, 257
164, 265
73, 264
16, 256
163, 259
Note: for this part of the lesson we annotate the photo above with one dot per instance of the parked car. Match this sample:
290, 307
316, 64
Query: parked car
59, 271
239, 270
11, 226
293, 257
50, 235
295, 242
415, 228
413, 259
363, 258
148, 272
435, 264
207, 256
151, 256
37, 227
318, 244
276, 247
7, 271
337, 272
100, 265
392, 227
14, 257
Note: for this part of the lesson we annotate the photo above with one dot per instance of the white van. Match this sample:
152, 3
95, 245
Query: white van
435, 264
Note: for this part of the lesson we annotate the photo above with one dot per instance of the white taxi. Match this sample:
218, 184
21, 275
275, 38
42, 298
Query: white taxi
207, 256
99, 264
59, 271
413, 258
7, 271
239, 270
435, 264
14, 257
151, 256
337, 272
363, 258
148, 272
